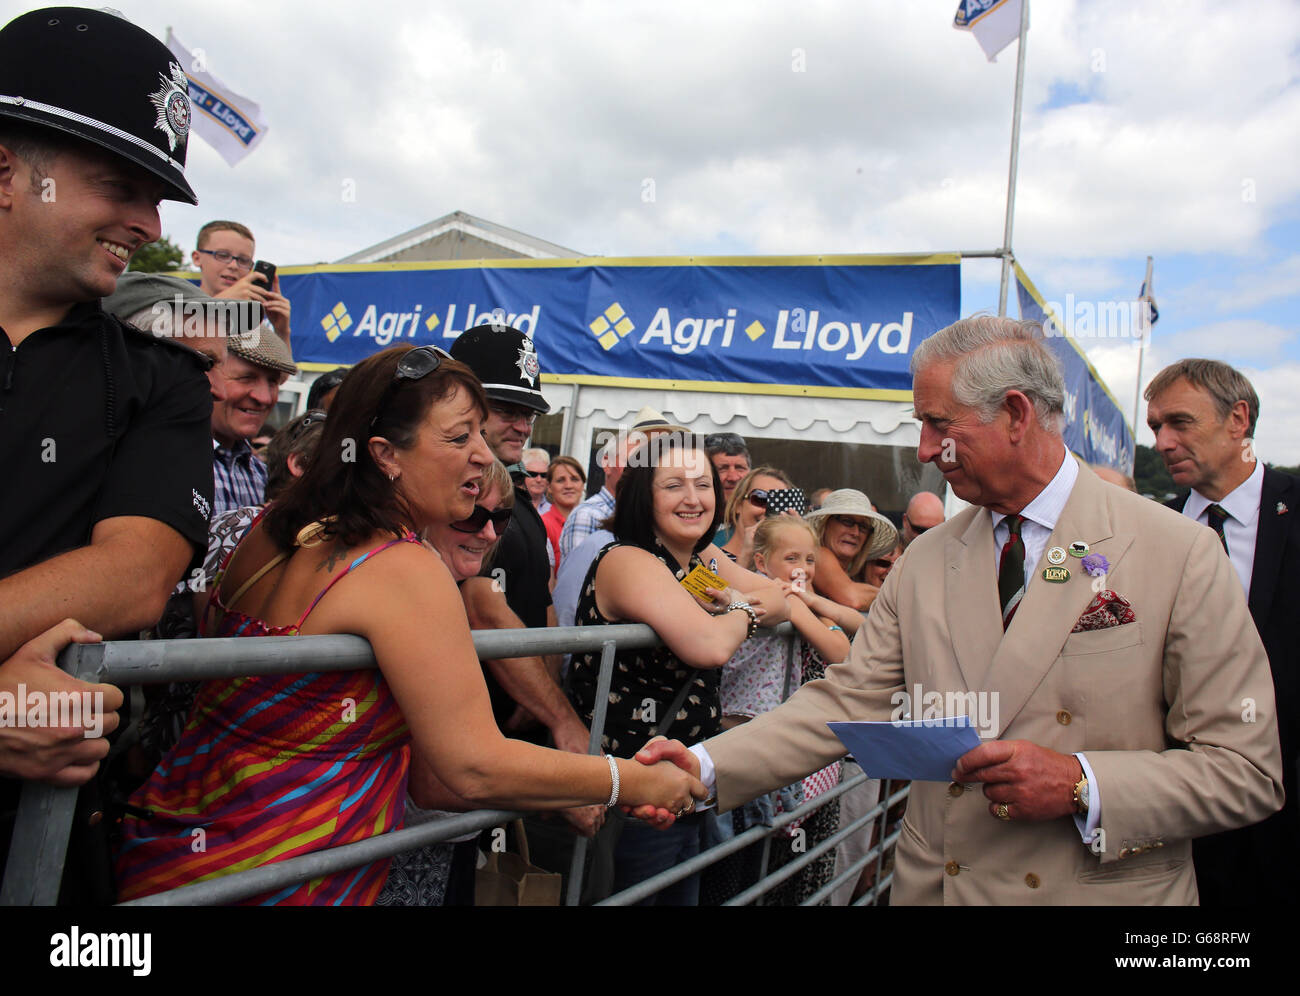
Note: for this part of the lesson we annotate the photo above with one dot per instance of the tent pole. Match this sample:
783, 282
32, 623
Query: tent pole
570, 415
1015, 155
1144, 323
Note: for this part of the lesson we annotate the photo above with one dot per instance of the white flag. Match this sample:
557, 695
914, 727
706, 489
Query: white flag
231, 124
994, 23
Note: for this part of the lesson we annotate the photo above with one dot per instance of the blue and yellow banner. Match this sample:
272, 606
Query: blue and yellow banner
832, 326
1095, 426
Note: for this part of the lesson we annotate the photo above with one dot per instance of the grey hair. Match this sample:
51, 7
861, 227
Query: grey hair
993, 356
535, 453
1224, 384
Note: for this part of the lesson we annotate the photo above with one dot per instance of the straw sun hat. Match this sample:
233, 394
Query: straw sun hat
847, 501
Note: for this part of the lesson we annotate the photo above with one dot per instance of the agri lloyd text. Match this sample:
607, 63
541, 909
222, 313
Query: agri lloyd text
796, 328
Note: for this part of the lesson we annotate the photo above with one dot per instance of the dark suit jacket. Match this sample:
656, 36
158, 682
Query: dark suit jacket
1257, 864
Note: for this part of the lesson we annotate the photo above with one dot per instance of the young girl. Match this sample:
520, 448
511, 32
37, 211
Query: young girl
755, 680
763, 673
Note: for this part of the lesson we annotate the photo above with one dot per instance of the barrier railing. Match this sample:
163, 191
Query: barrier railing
45, 813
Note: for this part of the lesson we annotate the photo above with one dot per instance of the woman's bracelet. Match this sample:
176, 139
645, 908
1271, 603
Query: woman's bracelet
748, 609
613, 777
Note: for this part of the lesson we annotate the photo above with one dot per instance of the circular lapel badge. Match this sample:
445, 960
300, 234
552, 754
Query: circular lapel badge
1079, 549
1056, 555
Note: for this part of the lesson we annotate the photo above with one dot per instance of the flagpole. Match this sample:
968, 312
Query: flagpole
1015, 155
1144, 323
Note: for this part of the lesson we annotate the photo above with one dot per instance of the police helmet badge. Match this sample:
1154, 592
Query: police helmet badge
95, 76
527, 362
172, 101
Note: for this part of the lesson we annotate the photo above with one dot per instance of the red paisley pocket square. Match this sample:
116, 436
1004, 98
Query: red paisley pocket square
1107, 609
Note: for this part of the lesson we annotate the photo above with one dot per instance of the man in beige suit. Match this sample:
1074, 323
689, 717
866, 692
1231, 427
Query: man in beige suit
1133, 698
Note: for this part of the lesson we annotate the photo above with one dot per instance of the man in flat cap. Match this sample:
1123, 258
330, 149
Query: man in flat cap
103, 429
257, 363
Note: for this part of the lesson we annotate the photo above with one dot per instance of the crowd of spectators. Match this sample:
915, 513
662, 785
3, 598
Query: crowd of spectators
402, 507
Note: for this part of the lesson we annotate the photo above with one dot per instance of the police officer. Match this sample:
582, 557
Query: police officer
104, 430
506, 361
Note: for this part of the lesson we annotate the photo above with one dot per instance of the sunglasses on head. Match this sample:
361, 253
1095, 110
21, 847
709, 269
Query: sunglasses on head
480, 517
309, 419
723, 440
417, 363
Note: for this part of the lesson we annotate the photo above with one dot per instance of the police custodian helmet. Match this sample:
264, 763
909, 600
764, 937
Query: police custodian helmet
97, 76
505, 360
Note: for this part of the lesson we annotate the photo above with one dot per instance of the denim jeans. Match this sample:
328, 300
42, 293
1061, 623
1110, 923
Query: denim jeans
643, 851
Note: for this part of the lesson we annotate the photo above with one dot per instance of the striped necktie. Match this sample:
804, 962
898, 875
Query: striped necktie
1218, 517
1011, 570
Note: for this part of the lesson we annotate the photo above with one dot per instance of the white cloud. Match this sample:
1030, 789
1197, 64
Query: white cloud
893, 137
1279, 412
1235, 340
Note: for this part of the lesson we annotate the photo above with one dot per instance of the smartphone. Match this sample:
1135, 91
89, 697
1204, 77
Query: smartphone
784, 500
267, 270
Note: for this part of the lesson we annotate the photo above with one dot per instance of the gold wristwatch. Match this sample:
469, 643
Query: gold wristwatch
1081, 796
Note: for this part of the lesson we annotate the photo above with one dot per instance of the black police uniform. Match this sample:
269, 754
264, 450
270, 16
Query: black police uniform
100, 420
521, 555
97, 420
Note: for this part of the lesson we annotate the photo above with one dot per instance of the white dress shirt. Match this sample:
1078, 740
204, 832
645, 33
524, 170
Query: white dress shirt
1041, 516
1241, 527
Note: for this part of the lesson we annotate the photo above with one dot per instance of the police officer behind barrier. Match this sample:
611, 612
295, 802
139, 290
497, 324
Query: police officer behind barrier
103, 429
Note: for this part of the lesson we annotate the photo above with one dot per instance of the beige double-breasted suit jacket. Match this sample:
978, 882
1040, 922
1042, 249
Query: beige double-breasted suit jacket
1174, 711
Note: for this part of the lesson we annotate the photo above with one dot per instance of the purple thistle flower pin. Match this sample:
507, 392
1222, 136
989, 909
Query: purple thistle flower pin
1096, 564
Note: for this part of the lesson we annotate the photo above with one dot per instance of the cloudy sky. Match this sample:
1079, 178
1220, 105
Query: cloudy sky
1151, 127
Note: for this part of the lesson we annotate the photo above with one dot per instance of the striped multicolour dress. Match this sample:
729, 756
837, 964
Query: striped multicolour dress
269, 768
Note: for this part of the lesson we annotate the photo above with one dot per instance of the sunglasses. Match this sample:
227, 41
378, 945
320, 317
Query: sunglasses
849, 522
418, 362
914, 527
758, 497
481, 517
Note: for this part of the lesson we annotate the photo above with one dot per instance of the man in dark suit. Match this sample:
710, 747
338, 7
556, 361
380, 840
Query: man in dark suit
1203, 415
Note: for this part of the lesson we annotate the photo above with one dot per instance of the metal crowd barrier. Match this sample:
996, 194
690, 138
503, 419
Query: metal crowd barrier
45, 813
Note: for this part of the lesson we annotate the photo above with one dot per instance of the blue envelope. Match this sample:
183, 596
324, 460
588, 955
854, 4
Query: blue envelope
922, 750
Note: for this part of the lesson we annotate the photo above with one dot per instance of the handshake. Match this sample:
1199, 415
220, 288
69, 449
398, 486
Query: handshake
670, 771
